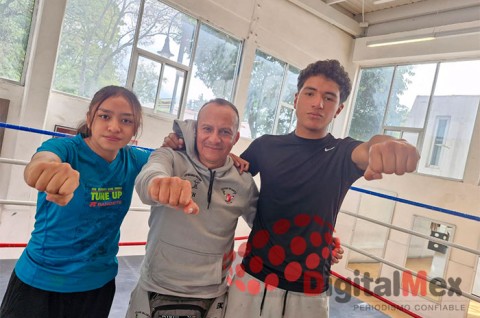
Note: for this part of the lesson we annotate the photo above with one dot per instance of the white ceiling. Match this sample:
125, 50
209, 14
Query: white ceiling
377, 17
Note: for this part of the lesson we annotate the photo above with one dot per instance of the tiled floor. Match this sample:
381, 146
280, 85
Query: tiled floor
128, 276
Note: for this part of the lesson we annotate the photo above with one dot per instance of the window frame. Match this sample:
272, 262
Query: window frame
283, 86
421, 132
188, 69
434, 146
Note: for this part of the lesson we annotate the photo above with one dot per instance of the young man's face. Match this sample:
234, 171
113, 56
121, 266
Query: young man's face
217, 133
316, 104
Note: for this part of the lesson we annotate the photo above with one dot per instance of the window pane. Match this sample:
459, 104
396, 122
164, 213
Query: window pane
95, 45
16, 18
394, 133
171, 86
294, 122
284, 121
214, 69
370, 102
411, 137
457, 96
408, 103
290, 88
263, 95
439, 140
167, 32
146, 81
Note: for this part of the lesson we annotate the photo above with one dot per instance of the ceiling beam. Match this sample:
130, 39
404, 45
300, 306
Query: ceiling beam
417, 9
331, 15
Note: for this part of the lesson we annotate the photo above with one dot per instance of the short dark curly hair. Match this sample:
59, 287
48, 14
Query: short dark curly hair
331, 69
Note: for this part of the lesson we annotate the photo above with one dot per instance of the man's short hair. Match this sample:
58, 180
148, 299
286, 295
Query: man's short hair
222, 102
331, 69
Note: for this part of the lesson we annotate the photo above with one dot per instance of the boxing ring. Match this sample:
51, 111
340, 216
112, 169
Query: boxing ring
458, 298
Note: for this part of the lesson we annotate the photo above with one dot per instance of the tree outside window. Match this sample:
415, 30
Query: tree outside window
16, 20
95, 45
215, 69
102, 45
271, 93
370, 102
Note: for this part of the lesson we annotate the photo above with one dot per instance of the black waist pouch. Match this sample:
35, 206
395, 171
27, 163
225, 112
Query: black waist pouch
164, 306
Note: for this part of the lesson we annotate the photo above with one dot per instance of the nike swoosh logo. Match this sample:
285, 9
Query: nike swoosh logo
328, 149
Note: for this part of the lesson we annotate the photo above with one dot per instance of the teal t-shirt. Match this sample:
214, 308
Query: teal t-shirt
73, 248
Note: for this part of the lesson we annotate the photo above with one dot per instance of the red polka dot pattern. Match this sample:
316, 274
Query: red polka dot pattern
305, 269
244, 249
276, 255
281, 226
240, 285
313, 260
316, 239
239, 271
325, 252
328, 238
302, 220
260, 239
298, 245
253, 287
271, 280
293, 271
256, 264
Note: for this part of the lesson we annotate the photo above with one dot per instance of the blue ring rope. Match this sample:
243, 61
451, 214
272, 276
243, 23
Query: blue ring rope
385, 196
50, 133
422, 205
38, 131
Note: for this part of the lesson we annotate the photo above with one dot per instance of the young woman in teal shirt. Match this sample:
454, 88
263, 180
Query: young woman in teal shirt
85, 186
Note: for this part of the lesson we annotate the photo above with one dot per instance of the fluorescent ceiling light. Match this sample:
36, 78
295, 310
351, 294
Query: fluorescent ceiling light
330, 2
400, 41
382, 1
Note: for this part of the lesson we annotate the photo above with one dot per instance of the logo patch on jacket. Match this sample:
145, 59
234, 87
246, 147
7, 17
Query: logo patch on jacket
194, 180
229, 194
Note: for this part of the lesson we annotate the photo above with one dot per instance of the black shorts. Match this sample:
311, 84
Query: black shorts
22, 300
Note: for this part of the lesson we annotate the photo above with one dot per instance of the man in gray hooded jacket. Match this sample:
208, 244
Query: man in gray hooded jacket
188, 254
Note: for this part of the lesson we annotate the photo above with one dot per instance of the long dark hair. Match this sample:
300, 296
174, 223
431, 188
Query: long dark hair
102, 95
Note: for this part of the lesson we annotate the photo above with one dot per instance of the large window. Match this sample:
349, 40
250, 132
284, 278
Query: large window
16, 19
432, 105
215, 69
160, 52
271, 93
162, 57
95, 45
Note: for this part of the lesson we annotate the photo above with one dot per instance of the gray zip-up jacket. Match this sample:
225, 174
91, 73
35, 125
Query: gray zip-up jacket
189, 255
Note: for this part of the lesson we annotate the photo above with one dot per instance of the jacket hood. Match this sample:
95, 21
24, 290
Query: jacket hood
186, 129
